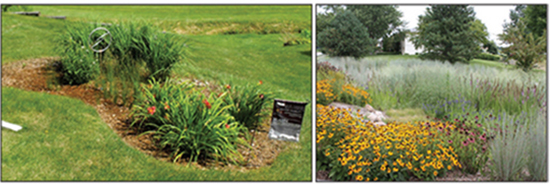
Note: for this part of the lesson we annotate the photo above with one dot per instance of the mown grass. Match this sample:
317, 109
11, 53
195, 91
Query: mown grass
194, 19
497, 64
250, 57
64, 139
26, 37
406, 115
79, 146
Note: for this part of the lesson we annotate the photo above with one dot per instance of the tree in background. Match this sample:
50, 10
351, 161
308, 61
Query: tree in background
345, 36
445, 33
535, 19
480, 32
526, 49
325, 14
491, 47
526, 35
515, 15
380, 20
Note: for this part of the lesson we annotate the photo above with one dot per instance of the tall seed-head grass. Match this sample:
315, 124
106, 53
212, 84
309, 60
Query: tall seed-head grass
509, 148
537, 164
415, 82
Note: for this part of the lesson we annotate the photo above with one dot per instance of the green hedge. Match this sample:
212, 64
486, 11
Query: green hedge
488, 56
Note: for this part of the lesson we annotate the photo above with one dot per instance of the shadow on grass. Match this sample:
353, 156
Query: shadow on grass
307, 53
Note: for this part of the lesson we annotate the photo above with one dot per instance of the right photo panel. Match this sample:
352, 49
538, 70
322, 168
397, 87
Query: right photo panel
431, 92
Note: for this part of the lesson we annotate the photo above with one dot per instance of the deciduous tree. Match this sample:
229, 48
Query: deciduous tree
345, 36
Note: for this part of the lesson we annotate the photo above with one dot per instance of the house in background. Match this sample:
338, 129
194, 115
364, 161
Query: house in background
407, 47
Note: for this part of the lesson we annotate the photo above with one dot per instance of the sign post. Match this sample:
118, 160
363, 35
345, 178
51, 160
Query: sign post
286, 120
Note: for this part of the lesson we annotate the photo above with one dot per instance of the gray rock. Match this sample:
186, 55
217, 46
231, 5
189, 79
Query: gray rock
372, 115
369, 108
353, 108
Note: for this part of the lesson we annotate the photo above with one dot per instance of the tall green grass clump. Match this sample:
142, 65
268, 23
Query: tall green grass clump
247, 103
187, 123
138, 52
78, 62
142, 42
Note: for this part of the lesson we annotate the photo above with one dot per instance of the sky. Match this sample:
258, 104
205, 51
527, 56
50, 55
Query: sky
493, 16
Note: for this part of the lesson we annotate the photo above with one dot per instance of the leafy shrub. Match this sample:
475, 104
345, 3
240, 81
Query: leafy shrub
488, 56
345, 36
247, 102
491, 47
388, 53
359, 151
187, 123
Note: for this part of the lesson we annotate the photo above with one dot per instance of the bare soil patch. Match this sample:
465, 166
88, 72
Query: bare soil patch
37, 74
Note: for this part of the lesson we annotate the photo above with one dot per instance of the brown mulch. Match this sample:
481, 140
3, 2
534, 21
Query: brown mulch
37, 75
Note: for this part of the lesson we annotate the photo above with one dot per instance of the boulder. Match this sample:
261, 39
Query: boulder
353, 108
372, 115
369, 108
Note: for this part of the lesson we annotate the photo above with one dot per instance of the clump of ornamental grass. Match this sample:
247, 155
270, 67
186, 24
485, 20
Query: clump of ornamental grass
247, 103
509, 148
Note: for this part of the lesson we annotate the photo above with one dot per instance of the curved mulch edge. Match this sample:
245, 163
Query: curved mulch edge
33, 75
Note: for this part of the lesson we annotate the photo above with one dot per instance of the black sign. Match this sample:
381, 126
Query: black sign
286, 120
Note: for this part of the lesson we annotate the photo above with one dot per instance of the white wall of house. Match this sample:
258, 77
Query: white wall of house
409, 47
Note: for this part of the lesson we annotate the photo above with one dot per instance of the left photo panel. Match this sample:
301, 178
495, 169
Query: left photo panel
156, 92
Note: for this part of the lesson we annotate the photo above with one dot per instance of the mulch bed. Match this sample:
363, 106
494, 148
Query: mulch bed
37, 74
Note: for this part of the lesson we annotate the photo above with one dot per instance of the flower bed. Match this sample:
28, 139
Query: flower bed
356, 151
193, 125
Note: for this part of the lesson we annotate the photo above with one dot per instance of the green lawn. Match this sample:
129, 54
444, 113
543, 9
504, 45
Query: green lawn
64, 139
194, 19
26, 37
251, 57
180, 13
